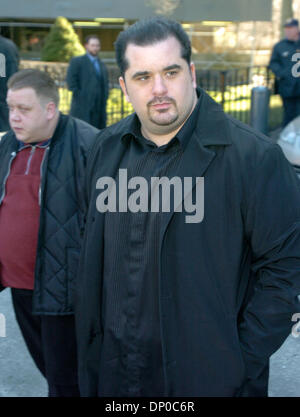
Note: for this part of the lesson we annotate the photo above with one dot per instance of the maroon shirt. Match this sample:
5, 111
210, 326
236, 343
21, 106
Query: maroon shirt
19, 218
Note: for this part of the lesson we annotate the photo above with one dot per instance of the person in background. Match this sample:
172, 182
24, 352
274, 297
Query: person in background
41, 222
9, 63
281, 63
174, 298
87, 78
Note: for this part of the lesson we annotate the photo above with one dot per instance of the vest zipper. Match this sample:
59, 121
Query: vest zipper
41, 175
29, 159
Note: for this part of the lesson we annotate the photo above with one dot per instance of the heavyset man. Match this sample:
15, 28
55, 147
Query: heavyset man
168, 305
41, 221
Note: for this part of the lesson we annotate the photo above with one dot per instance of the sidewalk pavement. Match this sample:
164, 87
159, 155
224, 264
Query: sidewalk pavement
20, 378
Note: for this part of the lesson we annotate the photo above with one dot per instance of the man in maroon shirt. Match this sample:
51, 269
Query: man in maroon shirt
41, 222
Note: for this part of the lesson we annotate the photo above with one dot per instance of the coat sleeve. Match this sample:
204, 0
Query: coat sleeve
12, 64
277, 66
87, 136
105, 80
272, 225
73, 75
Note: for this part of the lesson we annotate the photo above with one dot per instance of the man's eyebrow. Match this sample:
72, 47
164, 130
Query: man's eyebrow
23, 105
172, 67
143, 73
140, 74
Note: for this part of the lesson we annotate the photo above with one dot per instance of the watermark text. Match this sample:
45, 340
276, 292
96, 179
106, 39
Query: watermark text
2, 325
160, 194
2, 65
296, 67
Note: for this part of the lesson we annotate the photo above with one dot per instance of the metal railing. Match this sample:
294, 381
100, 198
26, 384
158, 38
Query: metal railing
231, 88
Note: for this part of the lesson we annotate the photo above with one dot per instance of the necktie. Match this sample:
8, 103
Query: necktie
97, 67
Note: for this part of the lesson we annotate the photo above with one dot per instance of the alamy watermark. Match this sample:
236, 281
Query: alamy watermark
295, 331
296, 67
160, 194
2, 325
2, 65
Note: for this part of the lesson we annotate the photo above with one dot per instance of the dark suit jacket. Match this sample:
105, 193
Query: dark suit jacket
90, 92
9, 50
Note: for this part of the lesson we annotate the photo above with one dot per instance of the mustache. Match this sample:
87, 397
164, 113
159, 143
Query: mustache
159, 100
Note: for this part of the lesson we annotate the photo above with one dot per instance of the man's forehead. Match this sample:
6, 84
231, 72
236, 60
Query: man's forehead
169, 43
93, 42
26, 93
168, 49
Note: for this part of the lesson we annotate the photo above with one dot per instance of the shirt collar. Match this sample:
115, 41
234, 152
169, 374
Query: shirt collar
92, 57
42, 144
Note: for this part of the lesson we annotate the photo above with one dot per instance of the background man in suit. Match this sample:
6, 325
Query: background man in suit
88, 80
10, 60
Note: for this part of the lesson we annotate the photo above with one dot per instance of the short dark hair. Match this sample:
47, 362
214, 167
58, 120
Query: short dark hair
89, 37
150, 31
43, 85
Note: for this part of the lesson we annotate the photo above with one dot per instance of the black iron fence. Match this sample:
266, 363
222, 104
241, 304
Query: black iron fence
231, 88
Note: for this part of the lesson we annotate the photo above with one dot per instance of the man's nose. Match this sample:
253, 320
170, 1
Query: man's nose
14, 115
159, 86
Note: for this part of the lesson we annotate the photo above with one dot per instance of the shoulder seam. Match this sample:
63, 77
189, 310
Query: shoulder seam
258, 135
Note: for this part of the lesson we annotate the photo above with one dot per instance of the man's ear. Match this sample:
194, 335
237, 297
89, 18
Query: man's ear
193, 74
123, 87
51, 110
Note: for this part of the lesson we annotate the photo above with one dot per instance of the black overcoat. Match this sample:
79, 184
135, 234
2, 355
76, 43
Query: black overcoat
228, 285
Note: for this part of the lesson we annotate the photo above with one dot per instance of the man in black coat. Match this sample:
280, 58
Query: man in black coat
87, 78
9, 62
283, 59
190, 264
42, 167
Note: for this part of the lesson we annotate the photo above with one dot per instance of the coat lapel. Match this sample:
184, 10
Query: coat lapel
108, 167
110, 161
195, 161
211, 131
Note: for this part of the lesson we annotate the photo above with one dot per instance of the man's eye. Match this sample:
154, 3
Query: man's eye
171, 73
143, 78
20, 109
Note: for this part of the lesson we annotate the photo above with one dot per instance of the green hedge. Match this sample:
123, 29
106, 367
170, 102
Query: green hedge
62, 43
